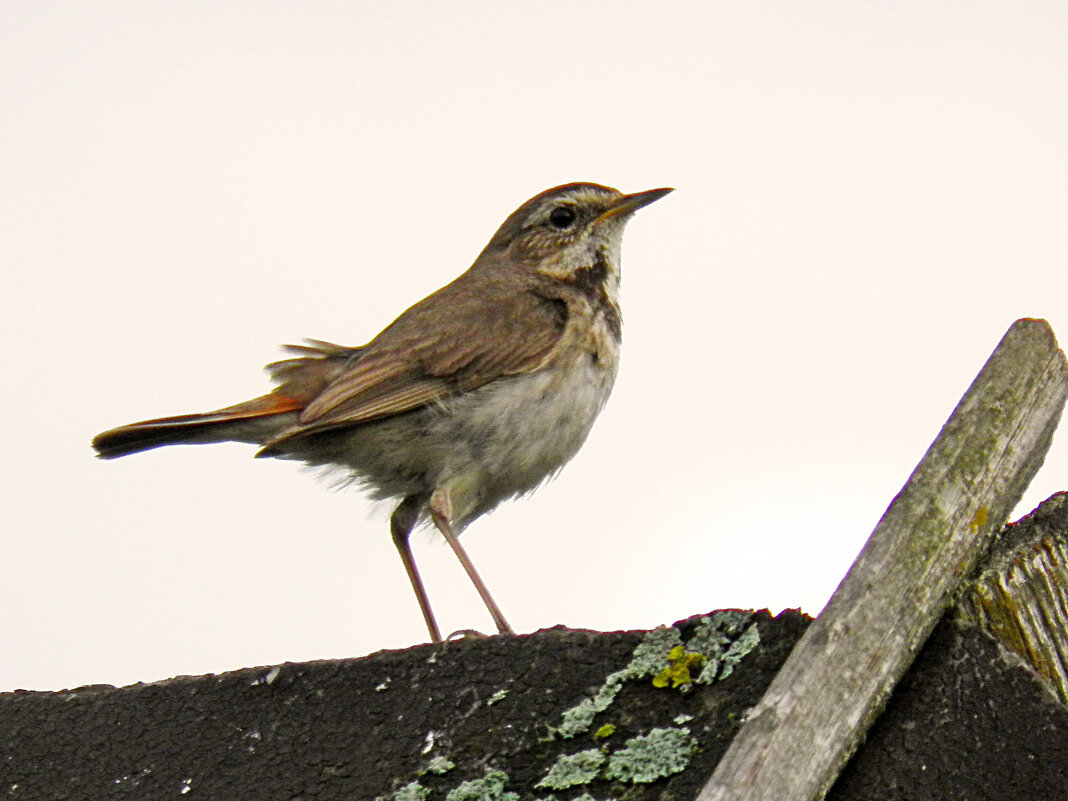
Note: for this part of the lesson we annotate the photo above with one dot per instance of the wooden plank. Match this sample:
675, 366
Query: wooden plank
839, 676
1021, 593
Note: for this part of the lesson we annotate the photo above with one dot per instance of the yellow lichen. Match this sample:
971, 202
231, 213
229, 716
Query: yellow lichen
677, 673
979, 520
607, 730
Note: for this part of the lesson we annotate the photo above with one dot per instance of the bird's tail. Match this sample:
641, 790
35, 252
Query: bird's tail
314, 365
252, 421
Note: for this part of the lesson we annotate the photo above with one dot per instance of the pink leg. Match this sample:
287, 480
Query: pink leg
441, 514
400, 526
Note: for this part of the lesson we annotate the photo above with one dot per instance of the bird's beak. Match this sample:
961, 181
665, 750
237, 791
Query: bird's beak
628, 204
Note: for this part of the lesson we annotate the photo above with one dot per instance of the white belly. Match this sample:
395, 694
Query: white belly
485, 446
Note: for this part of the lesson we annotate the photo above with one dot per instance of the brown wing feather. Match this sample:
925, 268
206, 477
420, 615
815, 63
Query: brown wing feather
370, 377
489, 333
305, 376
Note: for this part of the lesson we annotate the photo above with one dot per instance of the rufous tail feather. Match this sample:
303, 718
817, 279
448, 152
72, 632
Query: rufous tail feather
189, 428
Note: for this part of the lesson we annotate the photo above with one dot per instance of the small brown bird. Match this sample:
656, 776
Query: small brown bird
476, 394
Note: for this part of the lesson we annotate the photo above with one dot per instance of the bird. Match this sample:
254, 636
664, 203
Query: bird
476, 394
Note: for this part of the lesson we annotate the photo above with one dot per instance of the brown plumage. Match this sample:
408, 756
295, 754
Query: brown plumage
475, 394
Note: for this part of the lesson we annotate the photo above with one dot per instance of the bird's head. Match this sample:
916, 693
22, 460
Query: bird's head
569, 230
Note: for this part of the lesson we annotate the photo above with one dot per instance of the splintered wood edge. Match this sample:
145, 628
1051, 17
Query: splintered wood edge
839, 676
1021, 598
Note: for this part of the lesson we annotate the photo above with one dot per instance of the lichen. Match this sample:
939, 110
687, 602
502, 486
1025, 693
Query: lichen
489, 788
718, 643
677, 673
439, 765
572, 769
649, 658
607, 730
651, 655
660, 753
412, 791
723, 639
579, 718
749, 639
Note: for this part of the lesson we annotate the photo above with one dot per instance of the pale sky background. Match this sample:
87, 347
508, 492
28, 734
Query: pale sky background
868, 195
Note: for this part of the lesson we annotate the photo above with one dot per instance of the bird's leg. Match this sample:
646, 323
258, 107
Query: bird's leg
400, 526
441, 514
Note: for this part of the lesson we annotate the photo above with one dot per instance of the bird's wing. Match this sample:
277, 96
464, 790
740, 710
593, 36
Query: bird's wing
419, 360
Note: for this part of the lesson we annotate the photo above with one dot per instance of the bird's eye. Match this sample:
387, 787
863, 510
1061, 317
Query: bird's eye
562, 217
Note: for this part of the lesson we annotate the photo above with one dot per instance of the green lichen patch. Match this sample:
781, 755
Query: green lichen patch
723, 639
716, 647
651, 654
749, 639
412, 791
572, 769
439, 765
660, 753
588, 720
650, 657
489, 788
579, 718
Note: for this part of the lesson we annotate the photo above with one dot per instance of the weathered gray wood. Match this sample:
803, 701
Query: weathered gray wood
1021, 595
839, 676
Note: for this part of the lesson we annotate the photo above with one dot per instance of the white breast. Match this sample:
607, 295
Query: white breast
520, 431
